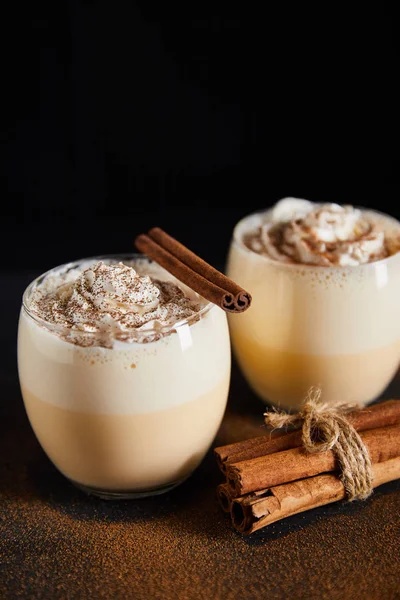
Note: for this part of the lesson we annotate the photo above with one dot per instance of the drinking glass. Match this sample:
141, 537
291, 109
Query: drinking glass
336, 328
130, 420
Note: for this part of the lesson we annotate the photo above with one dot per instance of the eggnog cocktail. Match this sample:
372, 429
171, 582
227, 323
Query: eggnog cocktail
325, 281
124, 373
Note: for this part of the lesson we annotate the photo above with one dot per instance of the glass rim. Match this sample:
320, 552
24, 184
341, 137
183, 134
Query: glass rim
236, 240
134, 334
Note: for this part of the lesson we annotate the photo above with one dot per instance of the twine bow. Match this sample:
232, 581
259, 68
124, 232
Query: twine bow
326, 428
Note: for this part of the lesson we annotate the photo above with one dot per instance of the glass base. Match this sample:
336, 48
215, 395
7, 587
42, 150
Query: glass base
126, 495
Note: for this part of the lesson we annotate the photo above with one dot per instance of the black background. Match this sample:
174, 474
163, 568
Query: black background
123, 115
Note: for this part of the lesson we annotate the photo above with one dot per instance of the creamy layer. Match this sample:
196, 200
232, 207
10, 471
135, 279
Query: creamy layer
132, 378
285, 376
299, 231
129, 451
314, 310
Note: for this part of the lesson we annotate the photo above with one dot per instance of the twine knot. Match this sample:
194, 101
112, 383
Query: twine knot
325, 428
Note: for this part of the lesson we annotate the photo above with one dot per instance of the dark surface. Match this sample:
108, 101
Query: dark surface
57, 543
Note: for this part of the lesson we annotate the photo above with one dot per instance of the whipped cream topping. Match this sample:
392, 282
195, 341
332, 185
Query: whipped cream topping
111, 300
299, 231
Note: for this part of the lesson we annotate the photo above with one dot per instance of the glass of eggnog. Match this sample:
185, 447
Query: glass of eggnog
325, 282
124, 373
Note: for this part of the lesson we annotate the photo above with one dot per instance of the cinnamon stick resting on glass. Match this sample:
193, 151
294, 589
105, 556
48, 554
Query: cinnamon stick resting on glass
189, 268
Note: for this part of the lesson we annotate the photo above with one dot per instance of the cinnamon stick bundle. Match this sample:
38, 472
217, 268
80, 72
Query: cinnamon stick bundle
289, 465
378, 415
259, 509
189, 268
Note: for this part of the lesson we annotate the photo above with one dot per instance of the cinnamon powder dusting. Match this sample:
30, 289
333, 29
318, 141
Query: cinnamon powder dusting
323, 235
105, 302
58, 543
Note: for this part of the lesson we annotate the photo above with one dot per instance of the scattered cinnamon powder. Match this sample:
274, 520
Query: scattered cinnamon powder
56, 542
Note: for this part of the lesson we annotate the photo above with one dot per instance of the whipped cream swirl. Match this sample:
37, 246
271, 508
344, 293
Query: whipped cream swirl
299, 231
112, 300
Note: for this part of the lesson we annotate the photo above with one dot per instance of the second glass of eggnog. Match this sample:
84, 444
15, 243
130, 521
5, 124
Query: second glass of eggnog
325, 282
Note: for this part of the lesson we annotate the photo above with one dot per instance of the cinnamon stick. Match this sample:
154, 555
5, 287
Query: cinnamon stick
282, 467
371, 417
259, 509
189, 268
224, 497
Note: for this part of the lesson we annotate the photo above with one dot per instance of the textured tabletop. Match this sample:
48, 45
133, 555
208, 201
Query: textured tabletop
58, 543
